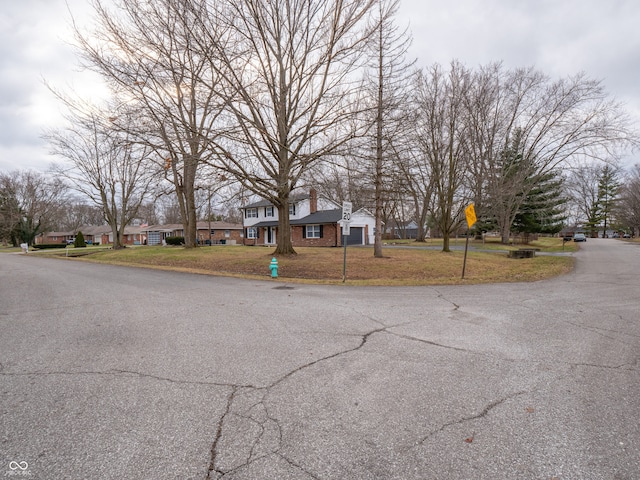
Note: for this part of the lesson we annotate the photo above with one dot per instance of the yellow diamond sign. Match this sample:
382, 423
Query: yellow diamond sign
470, 213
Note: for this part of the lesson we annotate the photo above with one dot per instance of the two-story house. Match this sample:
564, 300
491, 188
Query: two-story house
314, 222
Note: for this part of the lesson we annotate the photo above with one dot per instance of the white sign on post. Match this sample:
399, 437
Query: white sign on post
346, 211
346, 218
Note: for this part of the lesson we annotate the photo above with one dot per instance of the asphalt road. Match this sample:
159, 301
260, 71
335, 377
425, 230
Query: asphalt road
118, 373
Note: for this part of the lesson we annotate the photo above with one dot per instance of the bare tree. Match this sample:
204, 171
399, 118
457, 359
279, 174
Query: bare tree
152, 54
414, 178
390, 86
287, 67
441, 139
542, 124
77, 212
628, 207
28, 203
105, 166
582, 189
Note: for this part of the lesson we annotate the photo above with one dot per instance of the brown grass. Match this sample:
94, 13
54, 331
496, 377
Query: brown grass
407, 266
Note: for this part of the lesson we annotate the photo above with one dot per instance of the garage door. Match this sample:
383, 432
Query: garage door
355, 236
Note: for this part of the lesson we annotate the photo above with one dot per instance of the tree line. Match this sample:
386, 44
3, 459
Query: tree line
261, 97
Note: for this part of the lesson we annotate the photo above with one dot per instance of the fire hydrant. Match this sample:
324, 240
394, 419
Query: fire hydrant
274, 267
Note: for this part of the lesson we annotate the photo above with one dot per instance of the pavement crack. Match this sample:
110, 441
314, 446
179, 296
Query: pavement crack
434, 344
364, 339
477, 416
441, 296
116, 372
216, 440
631, 367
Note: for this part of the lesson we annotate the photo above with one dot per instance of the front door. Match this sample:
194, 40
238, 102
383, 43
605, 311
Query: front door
270, 235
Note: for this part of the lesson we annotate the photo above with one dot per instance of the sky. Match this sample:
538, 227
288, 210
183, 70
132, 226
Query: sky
558, 37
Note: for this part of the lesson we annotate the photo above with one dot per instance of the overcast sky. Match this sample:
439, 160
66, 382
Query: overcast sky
558, 37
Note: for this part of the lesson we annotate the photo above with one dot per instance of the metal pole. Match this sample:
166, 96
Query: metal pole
466, 246
344, 262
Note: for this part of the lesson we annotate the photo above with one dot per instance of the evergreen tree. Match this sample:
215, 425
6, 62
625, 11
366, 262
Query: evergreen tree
608, 188
542, 210
79, 241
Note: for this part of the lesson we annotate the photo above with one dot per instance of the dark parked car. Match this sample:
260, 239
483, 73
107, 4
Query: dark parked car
579, 237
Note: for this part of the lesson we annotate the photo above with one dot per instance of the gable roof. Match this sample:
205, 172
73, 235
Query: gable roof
266, 203
171, 227
320, 217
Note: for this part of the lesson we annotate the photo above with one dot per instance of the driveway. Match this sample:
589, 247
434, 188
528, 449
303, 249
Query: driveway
112, 372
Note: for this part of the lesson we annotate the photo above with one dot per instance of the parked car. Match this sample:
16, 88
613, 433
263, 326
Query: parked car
579, 237
626, 235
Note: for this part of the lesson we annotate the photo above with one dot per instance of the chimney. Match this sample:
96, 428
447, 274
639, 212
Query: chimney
313, 200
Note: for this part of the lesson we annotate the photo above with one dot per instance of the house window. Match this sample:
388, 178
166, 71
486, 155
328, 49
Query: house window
292, 209
251, 213
268, 211
227, 233
252, 232
212, 231
313, 231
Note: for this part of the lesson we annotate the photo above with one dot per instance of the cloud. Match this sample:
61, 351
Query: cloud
558, 38
34, 46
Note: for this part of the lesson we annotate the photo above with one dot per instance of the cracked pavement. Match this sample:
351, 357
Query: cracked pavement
113, 372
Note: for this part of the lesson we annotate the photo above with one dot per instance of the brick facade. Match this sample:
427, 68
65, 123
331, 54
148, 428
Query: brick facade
330, 237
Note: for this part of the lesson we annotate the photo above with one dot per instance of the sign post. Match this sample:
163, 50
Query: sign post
470, 213
346, 230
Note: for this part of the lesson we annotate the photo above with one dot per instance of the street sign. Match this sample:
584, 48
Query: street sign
470, 213
346, 212
346, 230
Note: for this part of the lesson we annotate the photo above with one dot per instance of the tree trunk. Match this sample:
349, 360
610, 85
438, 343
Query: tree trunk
446, 242
284, 245
377, 243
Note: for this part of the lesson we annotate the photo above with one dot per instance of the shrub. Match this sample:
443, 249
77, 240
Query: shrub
174, 240
79, 241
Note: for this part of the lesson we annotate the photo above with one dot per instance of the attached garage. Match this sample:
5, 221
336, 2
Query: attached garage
356, 236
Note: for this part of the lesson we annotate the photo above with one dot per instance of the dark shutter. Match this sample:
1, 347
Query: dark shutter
320, 231
304, 231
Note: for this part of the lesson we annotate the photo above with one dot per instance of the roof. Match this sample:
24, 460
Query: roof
171, 227
266, 203
319, 217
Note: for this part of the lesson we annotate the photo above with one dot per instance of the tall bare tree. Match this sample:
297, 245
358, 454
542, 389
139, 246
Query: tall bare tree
152, 54
390, 85
288, 70
106, 166
441, 137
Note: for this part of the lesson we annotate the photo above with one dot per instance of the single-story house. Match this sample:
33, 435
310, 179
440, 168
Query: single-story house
208, 233
314, 222
97, 235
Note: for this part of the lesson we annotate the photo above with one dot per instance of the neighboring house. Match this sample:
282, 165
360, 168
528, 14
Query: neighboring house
55, 237
314, 223
402, 230
97, 235
207, 233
